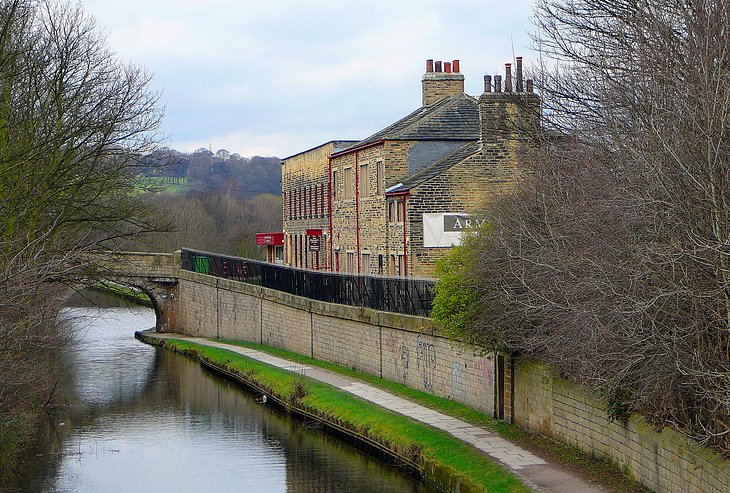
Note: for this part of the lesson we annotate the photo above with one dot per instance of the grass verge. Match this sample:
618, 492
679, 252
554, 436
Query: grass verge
593, 469
16, 434
441, 459
127, 293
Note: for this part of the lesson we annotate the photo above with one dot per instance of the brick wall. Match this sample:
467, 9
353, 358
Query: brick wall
401, 348
437, 85
664, 461
425, 361
377, 236
305, 194
464, 188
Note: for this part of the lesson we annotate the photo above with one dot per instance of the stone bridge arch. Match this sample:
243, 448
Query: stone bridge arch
156, 275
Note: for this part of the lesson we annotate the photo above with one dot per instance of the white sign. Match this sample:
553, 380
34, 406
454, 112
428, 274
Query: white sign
445, 230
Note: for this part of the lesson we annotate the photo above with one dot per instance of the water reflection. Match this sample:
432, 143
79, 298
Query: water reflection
140, 419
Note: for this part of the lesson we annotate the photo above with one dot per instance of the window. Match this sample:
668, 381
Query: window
304, 202
401, 265
379, 177
313, 201
315, 205
293, 261
395, 210
321, 189
365, 267
335, 176
380, 264
347, 192
302, 251
364, 181
350, 262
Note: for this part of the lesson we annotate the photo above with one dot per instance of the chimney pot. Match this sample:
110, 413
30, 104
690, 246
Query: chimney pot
529, 85
435, 84
497, 83
487, 83
456, 67
518, 71
507, 77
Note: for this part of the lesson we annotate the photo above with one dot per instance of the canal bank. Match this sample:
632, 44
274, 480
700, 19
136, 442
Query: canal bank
464, 457
132, 417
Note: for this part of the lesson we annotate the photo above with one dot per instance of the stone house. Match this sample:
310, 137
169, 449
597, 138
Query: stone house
305, 187
396, 201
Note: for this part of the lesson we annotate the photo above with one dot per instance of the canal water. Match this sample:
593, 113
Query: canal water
134, 418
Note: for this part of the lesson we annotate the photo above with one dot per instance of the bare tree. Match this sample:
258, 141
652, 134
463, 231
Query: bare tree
612, 258
214, 222
73, 122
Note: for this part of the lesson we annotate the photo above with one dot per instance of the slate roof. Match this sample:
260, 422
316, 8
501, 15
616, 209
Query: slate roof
451, 118
337, 145
438, 167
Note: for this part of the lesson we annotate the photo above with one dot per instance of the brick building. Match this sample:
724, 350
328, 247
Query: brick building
396, 201
305, 190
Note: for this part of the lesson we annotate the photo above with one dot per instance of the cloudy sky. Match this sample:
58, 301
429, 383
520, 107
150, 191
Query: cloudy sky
274, 77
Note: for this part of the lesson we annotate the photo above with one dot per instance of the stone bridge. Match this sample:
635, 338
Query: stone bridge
156, 274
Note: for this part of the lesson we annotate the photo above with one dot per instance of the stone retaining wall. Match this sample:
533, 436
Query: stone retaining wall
410, 350
400, 348
662, 460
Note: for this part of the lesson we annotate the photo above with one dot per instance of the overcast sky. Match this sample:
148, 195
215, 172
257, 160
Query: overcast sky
272, 78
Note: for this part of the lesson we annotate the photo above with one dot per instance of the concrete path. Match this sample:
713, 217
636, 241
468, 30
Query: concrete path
538, 474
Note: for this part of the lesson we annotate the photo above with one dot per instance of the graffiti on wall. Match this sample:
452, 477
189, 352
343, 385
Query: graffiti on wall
458, 381
405, 354
426, 361
485, 373
400, 354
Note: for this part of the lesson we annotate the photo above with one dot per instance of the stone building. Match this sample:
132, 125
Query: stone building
305, 190
396, 201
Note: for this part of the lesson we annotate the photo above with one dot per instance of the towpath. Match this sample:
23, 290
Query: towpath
537, 473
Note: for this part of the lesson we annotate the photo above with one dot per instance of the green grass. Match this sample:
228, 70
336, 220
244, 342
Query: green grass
598, 470
161, 185
124, 292
443, 459
431, 401
16, 434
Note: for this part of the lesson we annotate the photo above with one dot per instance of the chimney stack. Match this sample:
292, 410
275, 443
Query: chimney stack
511, 115
442, 79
